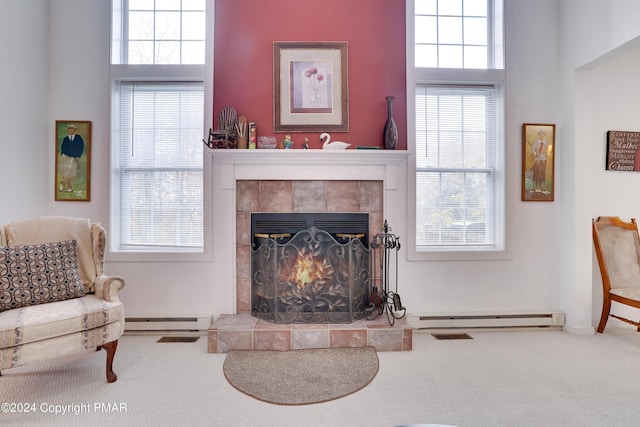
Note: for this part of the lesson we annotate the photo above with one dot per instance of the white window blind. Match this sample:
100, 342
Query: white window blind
161, 165
455, 167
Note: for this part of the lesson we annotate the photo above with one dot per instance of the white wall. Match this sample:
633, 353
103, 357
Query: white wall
610, 81
590, 29
79, 90
24, 28
525, 281
549, 244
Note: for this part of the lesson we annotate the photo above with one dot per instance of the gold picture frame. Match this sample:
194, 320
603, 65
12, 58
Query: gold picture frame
73, 161
538, 158
310, 87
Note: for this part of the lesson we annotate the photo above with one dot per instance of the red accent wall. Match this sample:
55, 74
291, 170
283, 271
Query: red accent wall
374, 29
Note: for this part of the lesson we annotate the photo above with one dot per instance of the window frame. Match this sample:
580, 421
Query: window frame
171, 73
451, 77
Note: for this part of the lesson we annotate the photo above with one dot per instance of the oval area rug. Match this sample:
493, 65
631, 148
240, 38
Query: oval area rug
301, 377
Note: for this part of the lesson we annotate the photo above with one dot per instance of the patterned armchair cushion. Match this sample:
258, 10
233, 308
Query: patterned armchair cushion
45, 229
38, 274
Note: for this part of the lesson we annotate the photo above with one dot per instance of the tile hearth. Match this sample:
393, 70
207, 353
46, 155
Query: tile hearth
244, 332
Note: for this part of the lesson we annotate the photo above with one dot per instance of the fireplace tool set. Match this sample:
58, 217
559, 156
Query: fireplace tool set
383, 246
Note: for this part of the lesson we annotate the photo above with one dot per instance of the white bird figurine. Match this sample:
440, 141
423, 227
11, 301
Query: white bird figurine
335, 145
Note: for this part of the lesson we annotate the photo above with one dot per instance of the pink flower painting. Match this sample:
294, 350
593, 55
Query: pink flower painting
315, 80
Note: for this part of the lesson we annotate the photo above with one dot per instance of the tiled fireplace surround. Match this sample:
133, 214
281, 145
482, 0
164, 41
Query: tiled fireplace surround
252, 181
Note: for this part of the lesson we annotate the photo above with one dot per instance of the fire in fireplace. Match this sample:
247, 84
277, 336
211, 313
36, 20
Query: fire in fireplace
310, 268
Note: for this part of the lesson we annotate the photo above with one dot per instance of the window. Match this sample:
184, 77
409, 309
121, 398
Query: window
455, 166
159, 31
457, 34
158, 111
459, 139
161, 173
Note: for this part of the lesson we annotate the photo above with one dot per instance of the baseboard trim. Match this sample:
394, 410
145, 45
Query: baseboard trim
167, 324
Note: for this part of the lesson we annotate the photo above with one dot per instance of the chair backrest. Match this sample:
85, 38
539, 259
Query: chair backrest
227, 120
47, 229
618, 251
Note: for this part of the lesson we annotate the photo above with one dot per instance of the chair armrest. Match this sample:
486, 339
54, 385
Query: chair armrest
107, 287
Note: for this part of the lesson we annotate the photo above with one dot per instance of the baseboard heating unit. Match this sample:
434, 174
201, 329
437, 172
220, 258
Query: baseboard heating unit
167, 324
487, 321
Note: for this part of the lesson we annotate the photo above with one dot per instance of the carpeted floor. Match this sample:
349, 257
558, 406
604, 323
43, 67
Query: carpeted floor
301, 377
534, 378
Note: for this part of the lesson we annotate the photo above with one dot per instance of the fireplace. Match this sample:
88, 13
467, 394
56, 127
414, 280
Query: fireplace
310, 267
295, 181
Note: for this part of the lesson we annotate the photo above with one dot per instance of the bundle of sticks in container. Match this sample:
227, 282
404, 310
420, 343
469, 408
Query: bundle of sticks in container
242, 129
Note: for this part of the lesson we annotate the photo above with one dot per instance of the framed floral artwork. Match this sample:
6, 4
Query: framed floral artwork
310, 87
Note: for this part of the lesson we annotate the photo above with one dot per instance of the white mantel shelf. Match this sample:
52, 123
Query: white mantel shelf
310, 156
275, 164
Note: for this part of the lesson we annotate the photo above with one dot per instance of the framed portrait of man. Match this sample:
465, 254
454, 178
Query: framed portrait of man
73, 161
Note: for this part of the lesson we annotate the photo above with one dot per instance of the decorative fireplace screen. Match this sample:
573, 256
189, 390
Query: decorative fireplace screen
310, 275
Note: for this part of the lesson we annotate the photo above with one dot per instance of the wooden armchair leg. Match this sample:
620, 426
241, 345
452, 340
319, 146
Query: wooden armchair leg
110, 348
606, 308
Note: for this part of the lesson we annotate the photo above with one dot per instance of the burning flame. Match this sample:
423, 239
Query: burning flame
309, 270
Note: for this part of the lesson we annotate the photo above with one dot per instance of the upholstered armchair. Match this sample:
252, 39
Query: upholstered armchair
55, 299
